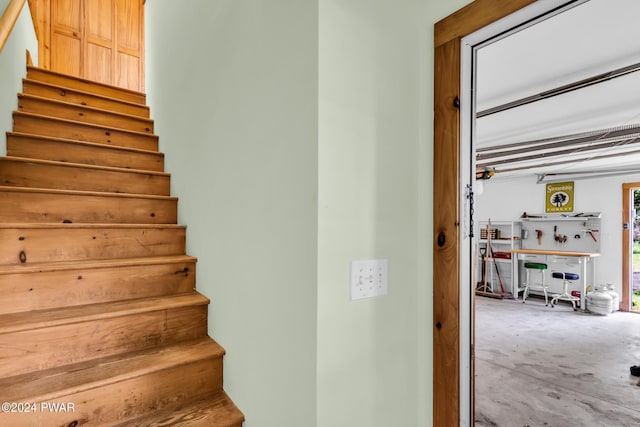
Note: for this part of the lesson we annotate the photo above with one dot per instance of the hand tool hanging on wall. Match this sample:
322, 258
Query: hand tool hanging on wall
539, 236
560, 239
590, 232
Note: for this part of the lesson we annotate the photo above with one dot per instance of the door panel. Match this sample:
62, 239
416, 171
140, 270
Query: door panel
129, 39
66, 13
99, 63
99, 19
66, 36
100, 40
128, 67
70, 62
129, 24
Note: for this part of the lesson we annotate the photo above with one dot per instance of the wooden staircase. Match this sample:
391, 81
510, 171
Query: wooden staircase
100, 322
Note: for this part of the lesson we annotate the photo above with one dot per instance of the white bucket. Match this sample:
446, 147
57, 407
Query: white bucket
599, 302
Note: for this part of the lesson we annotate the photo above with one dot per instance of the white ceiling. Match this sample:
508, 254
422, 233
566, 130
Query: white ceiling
592, 38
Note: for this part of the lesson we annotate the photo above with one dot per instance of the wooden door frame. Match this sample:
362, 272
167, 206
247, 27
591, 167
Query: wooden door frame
627, 239
40, 15
446, 198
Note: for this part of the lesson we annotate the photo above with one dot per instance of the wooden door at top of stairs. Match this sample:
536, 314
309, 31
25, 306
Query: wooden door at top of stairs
99, 40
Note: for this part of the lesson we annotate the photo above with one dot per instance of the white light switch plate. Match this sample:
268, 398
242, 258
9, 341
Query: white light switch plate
368, 278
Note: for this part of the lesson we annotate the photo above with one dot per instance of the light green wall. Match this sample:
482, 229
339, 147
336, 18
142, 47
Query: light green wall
233, 88
371, 52
299, 136
13, 61
375, 192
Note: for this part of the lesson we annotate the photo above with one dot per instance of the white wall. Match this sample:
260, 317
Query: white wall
233, 89
507, 200
13, 61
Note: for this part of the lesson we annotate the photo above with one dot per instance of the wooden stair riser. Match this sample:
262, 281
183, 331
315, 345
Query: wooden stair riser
42, 290
79, 113
18, 206
53, 149
134, 397
48, 126
48, 347
72, 96
18, 172
53, 244
42, 75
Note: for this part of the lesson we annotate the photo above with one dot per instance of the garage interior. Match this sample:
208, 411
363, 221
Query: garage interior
558, 102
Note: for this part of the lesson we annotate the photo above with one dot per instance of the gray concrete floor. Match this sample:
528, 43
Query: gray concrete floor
543, 366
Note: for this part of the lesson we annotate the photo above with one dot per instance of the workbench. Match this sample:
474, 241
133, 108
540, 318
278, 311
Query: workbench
569, 257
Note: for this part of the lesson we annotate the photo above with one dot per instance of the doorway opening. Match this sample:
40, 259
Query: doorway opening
635, 252
631, 247
453, 177
545, 125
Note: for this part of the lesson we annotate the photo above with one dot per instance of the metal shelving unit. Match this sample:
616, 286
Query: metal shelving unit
507, 236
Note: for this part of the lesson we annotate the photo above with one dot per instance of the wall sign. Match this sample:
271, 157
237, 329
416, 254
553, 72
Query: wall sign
559, 197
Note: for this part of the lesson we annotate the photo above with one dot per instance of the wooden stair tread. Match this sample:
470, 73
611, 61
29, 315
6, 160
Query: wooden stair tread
83, 166
99, 206
44, 226
82, 131
88, 143
63, 104
218, 410
93, 264
92, 125
90, 85
84, 193
53, 383
51, 174
72, 150
15, 322
80, 92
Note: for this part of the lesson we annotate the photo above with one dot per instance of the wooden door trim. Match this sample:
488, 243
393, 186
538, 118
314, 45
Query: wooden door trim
473, 17
627, 189
446, 199
41, 15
